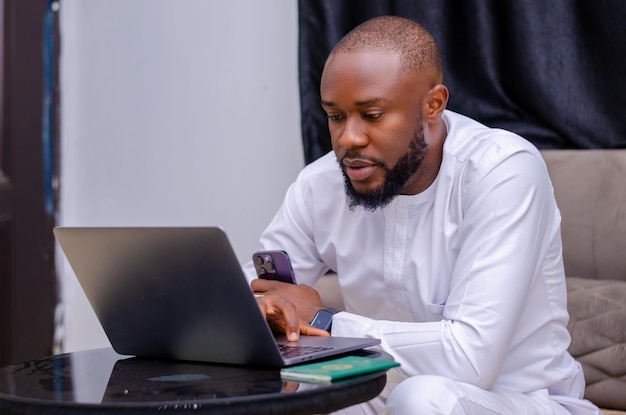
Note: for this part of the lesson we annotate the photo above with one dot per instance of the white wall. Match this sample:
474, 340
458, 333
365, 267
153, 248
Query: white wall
174, 112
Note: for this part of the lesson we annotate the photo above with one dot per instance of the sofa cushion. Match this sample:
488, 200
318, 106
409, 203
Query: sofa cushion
590, 191
598, 327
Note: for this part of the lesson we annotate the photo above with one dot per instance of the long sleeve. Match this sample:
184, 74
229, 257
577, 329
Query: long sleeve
499, 287
463, 280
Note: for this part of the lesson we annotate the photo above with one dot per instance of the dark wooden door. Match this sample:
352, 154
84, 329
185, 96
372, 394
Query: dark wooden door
27, 275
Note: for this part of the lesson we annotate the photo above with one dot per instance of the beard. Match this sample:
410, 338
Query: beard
395, 177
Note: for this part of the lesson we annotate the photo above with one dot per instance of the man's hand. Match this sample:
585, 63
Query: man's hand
306, 299
277, 301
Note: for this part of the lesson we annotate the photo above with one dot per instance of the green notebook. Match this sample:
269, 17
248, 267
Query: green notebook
329, 370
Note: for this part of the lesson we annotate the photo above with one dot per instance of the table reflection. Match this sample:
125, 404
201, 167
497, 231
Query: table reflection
99, 376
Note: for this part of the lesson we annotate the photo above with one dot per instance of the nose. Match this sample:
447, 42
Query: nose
353, 134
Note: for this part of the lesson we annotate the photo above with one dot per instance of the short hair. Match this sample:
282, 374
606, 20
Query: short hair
417, 49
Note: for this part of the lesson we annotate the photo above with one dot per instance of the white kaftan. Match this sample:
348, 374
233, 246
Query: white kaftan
464, 280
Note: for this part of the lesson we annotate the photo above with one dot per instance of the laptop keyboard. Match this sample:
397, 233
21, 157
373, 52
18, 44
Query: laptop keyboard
293, 350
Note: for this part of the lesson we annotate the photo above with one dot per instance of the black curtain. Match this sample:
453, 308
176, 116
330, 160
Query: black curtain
553, 71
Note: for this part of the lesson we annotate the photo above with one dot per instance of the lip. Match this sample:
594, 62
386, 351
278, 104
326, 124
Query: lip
358, 170
356, 163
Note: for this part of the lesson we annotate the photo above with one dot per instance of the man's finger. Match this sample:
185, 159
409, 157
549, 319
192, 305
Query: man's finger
309, 330
291, 320
261, 285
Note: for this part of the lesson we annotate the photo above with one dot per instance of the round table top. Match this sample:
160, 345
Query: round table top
102, 381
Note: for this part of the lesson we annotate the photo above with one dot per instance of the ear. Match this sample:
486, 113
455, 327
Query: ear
436, 102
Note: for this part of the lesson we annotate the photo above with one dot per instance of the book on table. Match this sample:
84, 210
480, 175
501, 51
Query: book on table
331, 370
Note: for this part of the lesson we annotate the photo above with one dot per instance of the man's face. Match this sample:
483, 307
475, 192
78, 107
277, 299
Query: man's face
375, 122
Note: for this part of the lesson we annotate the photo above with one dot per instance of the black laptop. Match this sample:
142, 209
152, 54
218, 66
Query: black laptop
180, 293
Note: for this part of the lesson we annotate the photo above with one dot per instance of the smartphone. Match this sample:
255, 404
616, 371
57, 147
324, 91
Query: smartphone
274, 265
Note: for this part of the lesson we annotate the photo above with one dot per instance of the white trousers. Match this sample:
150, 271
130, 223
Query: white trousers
436, 395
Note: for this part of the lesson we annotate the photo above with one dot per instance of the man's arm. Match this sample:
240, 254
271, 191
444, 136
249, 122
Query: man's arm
509, 234
510, 238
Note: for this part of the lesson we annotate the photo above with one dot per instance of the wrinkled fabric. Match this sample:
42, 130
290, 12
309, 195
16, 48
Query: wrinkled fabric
464, 280
550, 70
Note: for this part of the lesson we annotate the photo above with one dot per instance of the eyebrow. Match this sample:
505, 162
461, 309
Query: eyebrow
364, 103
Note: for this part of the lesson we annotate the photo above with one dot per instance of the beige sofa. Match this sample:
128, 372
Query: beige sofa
590, 188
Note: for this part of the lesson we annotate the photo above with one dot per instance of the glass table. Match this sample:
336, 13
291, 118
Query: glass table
103, 382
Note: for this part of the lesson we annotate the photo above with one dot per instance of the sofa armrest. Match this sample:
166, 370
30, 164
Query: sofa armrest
598, 327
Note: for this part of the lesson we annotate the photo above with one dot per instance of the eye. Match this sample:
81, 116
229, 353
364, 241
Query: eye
373, 116
334, 117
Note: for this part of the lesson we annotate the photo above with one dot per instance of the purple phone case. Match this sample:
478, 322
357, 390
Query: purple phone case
274, 265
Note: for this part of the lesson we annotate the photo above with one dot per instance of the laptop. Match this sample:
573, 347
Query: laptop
180, 293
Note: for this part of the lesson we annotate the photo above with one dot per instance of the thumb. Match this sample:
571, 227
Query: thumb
261, 285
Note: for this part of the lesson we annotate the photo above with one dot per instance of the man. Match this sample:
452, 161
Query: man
444, 233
